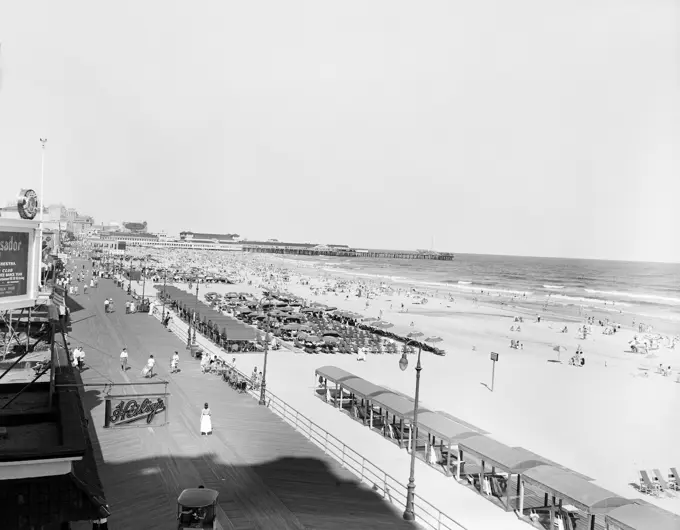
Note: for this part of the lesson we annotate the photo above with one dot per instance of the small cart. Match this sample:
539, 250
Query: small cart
197, 508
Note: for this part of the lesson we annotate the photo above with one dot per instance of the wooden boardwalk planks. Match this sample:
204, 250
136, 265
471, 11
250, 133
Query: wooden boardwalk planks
269, 476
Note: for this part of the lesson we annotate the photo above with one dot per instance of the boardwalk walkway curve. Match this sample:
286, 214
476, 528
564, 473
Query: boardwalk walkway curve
389, 488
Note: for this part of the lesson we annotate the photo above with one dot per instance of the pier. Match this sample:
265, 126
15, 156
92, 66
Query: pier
345, 252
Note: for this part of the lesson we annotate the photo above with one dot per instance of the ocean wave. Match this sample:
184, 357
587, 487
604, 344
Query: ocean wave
553, 287
587, 300
639, 296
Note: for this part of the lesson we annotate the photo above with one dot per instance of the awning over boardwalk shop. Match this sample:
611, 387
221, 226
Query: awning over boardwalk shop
641, 517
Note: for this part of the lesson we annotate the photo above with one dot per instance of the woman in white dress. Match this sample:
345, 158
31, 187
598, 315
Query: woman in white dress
206, 422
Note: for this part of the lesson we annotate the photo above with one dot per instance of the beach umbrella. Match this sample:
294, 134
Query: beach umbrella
381, 324
434, 339
313, 338
330, 308
311, 310
231, 295
293, 326
328, 339
415, 334
331, 333
366, 319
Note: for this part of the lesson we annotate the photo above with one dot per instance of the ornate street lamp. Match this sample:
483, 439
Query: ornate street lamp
263, 386
143, 278
165, 278
191, 340
409, 514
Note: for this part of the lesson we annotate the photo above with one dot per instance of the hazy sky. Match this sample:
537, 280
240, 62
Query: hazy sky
526, 127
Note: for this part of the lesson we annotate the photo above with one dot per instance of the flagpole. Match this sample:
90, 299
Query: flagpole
41, 201
43, 141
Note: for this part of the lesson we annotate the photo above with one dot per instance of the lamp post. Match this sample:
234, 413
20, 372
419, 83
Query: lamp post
129, 291
409, 514
263, 386
193, 340
143, 280
165, 278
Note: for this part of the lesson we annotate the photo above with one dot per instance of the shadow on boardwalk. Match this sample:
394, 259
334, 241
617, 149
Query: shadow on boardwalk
279, 493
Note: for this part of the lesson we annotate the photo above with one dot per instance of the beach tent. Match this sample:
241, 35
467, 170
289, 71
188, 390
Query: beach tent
512, 460
641, 516
401, 408
447, 430
358, 387
567, 486
334, 375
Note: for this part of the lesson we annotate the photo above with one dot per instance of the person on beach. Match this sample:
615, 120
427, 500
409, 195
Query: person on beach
206, 421
106, 305
124, 359
127, 307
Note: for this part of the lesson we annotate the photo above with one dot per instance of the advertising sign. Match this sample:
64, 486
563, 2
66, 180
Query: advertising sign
136, 410
14, 264
59, 295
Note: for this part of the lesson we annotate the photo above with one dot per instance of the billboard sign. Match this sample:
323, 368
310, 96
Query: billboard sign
59, 295
138, 410
14, 264
19, 263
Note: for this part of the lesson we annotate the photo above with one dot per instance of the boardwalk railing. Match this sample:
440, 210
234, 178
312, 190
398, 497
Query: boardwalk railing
381, 482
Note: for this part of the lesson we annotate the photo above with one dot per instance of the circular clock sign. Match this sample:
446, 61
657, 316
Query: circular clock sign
27, 204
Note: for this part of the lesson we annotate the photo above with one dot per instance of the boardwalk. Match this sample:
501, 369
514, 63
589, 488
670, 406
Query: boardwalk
268, 475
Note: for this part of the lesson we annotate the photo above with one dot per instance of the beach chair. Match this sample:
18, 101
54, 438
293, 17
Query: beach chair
661, 480
673, 480
649, 485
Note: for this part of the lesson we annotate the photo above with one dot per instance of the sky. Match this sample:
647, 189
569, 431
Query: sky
521, 127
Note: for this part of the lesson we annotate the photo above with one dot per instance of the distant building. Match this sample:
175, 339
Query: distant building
208, 238
80, 225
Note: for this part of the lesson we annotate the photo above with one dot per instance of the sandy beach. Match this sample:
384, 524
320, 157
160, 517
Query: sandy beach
607, 419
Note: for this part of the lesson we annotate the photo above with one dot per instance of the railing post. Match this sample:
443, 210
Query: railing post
297, 414
343, 455
363, 462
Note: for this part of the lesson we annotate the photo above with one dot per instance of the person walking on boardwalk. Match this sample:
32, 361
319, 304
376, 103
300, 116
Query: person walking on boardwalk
148, 369
206, 421
106, 305
174, 363
124, 360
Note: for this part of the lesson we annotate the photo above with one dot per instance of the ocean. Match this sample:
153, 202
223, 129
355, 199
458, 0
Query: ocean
646, 289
